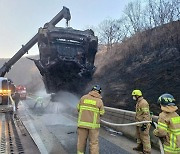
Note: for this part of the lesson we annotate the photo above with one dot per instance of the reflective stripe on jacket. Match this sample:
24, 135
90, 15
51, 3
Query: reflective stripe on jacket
169, 129
90, 108
39, 100
142, 110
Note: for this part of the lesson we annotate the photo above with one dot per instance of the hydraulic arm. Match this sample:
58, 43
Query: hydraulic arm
64, 13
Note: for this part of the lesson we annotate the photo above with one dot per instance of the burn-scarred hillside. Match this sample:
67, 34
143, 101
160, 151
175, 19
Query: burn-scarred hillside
149, 61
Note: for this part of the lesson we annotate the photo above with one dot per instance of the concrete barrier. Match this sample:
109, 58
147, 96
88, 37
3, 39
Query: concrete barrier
120, 116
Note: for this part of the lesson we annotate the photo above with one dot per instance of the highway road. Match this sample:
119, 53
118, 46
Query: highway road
53, 127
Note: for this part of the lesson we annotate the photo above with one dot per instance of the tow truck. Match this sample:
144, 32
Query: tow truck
6, 101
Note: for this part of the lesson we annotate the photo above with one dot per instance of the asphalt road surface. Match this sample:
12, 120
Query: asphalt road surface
54, 129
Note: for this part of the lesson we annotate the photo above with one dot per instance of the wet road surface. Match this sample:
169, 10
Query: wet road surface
57, 131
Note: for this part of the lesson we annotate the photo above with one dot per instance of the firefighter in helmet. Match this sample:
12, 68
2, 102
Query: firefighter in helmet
90, 108
39, 100
142, 130
16, 98
168, 128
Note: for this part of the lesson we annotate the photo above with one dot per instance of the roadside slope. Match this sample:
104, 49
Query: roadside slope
149, 61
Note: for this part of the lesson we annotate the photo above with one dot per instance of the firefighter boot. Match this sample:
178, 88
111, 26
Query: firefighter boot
138, 148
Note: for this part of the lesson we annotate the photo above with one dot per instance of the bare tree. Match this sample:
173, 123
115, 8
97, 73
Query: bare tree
134, 13
124, 29
163, 11
108, 32
175, 10
138, 17
153, 22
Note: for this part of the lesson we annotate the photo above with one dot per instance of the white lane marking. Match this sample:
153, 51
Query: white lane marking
33, 133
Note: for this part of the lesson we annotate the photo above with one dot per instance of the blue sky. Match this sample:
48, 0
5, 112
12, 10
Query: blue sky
20, 19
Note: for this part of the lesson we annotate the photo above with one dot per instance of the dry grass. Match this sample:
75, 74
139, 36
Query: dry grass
149, 61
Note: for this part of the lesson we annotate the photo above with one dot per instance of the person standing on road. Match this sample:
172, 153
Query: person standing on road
168, 128
90, 108
16, 98
142, 130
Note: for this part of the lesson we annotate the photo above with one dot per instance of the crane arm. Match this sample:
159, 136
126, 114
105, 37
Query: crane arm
64, 13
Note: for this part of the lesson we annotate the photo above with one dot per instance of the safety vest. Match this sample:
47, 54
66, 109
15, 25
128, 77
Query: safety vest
142, 110
89, 113
173, 130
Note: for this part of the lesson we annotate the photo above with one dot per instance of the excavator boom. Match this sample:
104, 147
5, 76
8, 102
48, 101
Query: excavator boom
64, 13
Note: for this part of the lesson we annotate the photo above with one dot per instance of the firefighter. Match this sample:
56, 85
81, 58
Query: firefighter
90, 109
168, 128
142, 130
16, 98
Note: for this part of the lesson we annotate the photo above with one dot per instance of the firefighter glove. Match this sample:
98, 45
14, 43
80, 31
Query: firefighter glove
152, 124
143, 127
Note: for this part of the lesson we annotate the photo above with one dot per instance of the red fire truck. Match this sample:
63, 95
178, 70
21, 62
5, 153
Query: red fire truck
22, 91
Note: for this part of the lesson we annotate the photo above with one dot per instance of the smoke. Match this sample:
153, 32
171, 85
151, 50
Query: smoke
42, 93
67, 98
57, 114
61, 102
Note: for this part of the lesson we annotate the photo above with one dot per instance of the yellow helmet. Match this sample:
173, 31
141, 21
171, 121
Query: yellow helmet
136, 93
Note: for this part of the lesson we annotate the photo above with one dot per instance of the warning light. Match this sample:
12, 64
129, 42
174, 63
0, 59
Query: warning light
5, 92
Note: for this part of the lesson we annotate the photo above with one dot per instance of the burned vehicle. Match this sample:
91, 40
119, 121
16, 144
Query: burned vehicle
66, 57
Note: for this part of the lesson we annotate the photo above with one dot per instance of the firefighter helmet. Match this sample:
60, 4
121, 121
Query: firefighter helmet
166, 100
136, 93
97, 88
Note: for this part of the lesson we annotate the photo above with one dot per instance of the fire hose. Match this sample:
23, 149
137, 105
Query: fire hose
131, 124
136, 123
128, 124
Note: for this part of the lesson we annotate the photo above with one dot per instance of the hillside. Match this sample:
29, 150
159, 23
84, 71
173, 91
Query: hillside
149, 61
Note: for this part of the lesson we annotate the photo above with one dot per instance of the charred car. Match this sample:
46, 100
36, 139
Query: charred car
66, 57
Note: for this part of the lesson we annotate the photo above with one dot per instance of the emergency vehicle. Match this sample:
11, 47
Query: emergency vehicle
22, 91
6, 101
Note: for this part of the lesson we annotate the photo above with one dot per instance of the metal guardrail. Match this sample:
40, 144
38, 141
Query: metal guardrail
126, 111
119, 110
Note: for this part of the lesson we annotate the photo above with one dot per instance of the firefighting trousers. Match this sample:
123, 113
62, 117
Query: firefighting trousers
83, 135
143, 138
